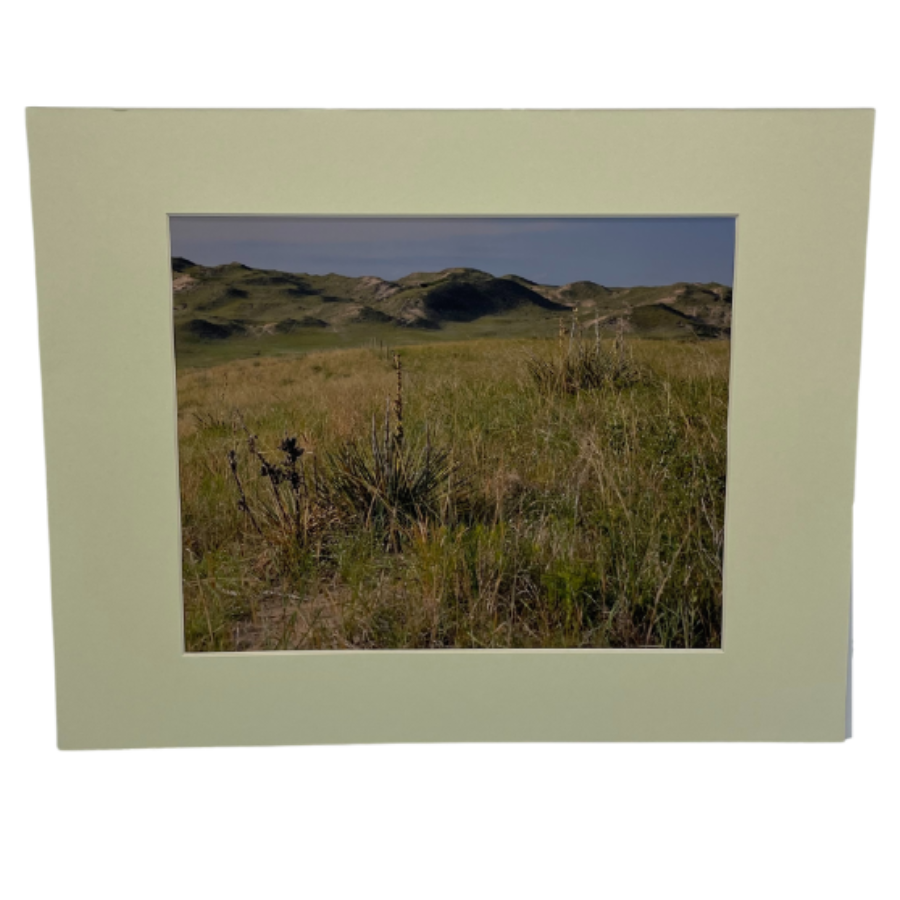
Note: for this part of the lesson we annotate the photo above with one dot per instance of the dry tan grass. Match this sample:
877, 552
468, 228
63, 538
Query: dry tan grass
596, 518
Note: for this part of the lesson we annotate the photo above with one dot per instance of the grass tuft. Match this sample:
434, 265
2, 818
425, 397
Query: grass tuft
584, 363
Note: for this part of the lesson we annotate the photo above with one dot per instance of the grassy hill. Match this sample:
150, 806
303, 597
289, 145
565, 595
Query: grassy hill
234, 311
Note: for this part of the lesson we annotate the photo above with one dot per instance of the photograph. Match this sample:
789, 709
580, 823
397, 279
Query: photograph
402, 433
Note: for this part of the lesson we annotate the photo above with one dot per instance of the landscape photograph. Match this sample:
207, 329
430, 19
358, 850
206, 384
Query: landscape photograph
446, 432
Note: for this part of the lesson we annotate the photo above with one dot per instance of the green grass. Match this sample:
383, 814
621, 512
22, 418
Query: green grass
192, 353
584, 518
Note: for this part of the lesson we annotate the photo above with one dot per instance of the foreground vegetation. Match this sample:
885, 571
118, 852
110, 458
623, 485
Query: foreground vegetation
479, 494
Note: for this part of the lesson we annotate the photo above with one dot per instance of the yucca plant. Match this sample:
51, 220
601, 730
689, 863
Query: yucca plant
387, 482
391, 480
582, 363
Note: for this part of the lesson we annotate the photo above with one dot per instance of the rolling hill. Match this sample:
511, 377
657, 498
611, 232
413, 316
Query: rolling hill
234, 302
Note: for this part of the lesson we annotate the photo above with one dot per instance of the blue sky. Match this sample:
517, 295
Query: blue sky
618, 252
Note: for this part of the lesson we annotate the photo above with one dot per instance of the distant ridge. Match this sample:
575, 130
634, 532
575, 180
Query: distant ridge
215, 303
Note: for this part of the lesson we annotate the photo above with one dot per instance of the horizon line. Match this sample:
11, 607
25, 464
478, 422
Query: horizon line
236, 262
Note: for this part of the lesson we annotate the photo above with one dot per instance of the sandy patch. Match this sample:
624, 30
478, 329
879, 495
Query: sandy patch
183, 282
